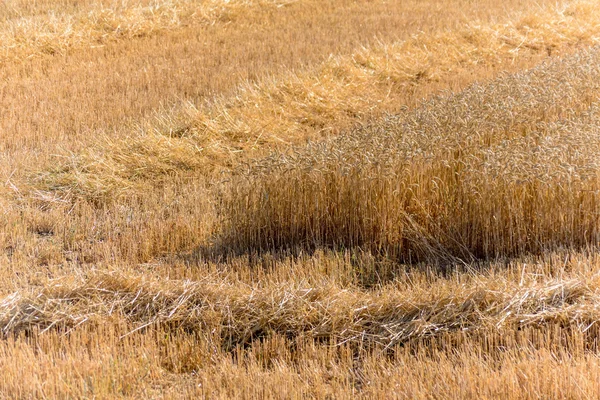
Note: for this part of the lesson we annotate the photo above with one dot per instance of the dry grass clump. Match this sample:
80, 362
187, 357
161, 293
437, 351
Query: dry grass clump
496, 170
314, 104
109, 173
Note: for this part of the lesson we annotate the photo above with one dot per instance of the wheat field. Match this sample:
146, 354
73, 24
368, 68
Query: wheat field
270, 199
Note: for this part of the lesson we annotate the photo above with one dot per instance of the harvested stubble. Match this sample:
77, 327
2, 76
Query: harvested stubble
496, 170
27, 33
526, 365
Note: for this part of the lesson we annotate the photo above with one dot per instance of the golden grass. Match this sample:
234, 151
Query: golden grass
140, 257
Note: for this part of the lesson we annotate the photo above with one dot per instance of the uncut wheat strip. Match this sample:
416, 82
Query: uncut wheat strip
240, 313
97, 24
562, 152
405, 173
296, 106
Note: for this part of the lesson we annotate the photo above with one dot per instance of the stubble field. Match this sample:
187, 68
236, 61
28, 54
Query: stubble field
299, 199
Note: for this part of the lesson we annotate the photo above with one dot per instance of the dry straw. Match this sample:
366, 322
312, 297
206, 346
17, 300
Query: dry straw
240, 314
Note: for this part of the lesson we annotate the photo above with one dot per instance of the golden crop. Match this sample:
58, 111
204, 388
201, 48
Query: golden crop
285, 199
